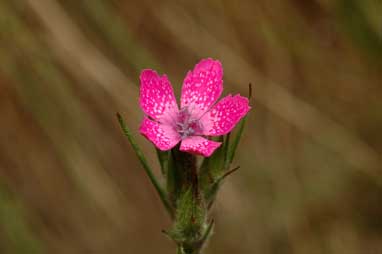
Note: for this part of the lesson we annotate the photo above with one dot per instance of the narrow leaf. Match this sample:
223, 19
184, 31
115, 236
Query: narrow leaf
208, 232
145, 165
235, 142
232, 148
210, 193
163, 160
210, 171
225, 149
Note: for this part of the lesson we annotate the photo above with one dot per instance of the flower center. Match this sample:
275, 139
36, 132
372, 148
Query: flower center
186, 126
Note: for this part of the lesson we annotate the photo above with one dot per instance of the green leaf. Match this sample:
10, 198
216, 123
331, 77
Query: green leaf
207, 232
211, 170
163, 157
225, 149
235, 142
212, 166
145, 165
210, 193
216, 160
240, 127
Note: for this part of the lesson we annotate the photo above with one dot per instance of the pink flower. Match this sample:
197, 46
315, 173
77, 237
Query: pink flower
165, 125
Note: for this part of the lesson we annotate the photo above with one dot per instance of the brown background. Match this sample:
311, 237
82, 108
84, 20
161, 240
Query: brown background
310, 179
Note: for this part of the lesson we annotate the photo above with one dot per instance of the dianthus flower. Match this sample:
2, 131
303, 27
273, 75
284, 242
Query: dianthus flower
165, 124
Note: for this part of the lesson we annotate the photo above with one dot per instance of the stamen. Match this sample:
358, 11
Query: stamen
186, 126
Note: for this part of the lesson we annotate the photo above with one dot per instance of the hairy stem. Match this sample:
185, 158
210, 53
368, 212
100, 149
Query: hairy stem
182, 250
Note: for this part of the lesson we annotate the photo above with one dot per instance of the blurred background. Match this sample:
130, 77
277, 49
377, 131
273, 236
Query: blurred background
310, 178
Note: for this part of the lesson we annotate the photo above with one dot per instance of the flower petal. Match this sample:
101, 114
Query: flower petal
202, 86
199, 145
223, 117
163, 136
156, 97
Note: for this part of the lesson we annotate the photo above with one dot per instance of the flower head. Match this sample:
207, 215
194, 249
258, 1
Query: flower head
165, 124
